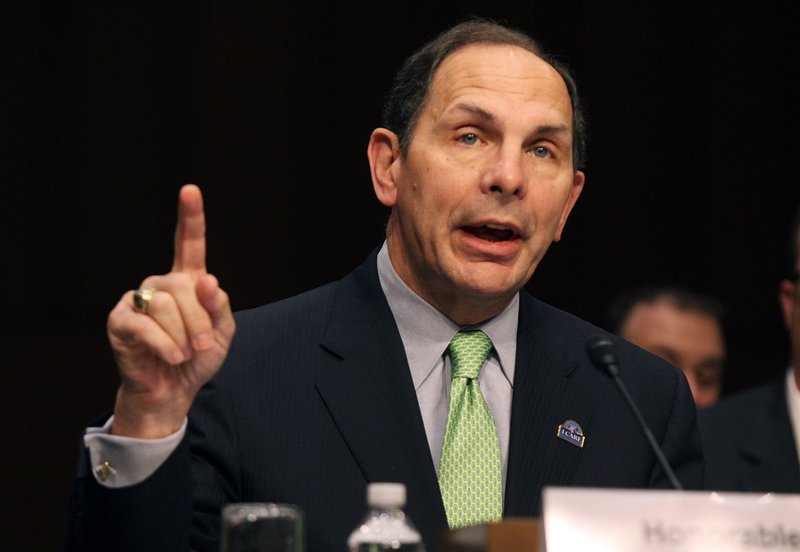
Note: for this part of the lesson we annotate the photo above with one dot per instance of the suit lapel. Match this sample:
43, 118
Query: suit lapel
768, 447
370, 395
546, 393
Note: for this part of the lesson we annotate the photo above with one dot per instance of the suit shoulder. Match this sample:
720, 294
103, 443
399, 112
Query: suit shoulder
298, 314
553, 323
306, 302
740, 407
573, 333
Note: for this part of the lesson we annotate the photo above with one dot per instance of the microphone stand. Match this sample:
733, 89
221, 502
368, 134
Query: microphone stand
601, 351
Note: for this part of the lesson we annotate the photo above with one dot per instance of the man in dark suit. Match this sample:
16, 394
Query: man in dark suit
750, 440
350, 383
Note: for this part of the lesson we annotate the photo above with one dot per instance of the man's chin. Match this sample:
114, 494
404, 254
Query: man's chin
490, 283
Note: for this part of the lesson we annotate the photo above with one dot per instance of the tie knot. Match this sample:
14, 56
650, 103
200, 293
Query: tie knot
468, 351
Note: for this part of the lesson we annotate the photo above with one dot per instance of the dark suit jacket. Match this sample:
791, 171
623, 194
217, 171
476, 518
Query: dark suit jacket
316, 400
748, 442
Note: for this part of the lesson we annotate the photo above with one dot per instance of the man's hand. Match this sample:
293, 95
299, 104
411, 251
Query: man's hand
166, 354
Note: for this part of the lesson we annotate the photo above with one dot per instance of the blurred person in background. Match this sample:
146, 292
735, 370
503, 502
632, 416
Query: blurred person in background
681, 326
751, 439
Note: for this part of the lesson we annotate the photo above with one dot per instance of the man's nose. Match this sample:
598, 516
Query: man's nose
505, 173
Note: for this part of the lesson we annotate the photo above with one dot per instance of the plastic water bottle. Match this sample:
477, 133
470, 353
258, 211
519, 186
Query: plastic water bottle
385, 527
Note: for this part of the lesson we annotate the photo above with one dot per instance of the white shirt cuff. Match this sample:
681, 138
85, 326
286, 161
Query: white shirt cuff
119, 461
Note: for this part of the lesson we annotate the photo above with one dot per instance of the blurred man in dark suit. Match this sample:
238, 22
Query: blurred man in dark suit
681, 326
751, 440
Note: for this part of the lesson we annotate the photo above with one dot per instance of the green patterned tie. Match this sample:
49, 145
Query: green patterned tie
470, 475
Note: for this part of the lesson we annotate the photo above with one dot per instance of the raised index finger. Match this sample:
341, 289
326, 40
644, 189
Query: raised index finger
190, 234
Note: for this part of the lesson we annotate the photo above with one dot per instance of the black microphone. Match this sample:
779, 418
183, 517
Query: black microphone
601, 351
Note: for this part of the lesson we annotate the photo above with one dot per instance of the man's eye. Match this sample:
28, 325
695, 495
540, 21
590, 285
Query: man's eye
540, 151
708, 378
469, 139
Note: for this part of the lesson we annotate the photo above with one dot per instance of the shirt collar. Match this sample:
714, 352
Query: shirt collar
426, 332
793, 402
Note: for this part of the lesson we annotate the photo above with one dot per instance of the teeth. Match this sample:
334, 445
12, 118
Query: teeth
496, 226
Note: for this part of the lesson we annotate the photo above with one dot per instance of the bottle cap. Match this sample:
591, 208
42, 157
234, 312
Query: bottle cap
386, 495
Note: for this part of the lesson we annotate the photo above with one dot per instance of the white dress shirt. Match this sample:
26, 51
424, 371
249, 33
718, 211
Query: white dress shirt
793, 401
426, 333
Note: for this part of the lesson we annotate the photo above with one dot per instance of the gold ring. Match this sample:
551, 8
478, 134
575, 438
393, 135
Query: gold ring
142, 298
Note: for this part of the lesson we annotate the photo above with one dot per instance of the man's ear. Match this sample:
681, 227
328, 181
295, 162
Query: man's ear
575, 192
384, 158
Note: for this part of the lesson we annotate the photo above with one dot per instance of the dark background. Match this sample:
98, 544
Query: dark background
110, 107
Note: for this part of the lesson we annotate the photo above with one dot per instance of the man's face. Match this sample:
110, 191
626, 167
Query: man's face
688, 339
790, 305
487, 182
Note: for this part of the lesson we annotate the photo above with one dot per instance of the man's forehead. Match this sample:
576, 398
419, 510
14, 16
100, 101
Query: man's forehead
471, 53
475, 63
479, 74
666, 307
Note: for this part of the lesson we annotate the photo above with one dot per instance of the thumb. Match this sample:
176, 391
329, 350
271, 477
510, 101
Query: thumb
216, 302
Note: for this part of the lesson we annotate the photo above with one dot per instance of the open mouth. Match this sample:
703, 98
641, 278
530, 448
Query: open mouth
491, 232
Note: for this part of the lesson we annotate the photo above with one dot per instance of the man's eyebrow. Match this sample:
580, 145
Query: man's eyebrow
552, 129
489, 117
474, 110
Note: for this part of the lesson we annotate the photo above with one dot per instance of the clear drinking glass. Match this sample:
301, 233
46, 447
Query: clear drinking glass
262, 527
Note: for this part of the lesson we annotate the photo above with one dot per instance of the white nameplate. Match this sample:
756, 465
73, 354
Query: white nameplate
600, 520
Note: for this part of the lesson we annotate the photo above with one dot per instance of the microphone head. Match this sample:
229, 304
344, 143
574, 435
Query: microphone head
601, 351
